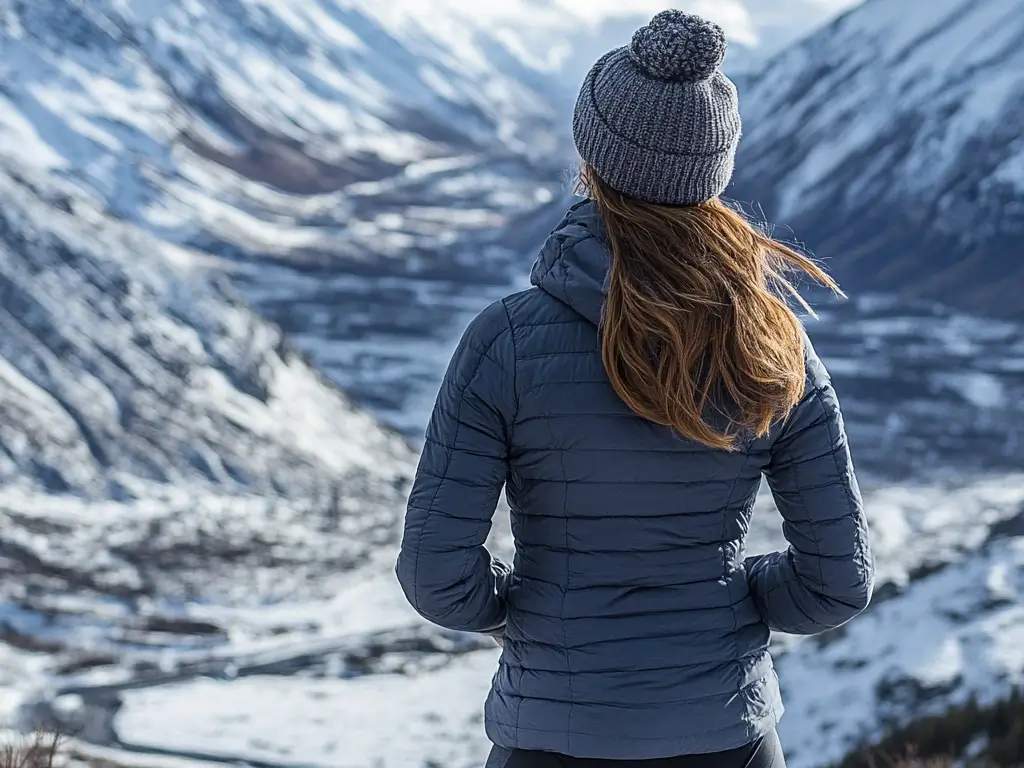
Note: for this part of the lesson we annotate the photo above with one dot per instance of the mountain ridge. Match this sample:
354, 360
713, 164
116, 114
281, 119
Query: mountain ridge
888, 135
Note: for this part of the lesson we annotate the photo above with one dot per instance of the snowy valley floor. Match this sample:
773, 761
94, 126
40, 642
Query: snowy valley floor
352, 679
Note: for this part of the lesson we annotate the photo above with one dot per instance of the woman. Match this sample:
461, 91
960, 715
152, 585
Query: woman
630, 403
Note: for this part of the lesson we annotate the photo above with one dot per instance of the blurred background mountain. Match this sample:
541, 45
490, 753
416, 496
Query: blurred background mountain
238, 240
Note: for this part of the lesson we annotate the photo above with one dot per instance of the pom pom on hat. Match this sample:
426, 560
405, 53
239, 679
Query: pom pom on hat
679, 46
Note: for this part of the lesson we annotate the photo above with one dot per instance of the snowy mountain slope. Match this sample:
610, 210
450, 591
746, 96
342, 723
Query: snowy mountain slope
293, 142
168, 459
563, 38
121, 366
890, 142
308, 100
953, 635
161, 444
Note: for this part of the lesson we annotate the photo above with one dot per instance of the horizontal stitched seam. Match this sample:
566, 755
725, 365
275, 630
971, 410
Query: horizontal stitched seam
804, 460
630, 451
683, 483
847, 556
440, 513
545, 355
459, 450
816, 486
631, 516
597, 414
592, 587
701, 735
580, 321
634, 614
727, 694
597, 551
565, 382
760, 652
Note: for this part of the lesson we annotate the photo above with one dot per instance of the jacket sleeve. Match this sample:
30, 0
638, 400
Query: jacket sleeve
447, 574
826, 576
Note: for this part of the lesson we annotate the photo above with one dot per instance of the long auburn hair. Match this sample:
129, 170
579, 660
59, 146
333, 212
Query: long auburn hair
697, 321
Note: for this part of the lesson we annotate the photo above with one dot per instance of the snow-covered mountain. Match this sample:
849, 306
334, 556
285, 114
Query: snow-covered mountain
261, 128
167, 456
562, 38
122, 367
891, 143
325, 152
162, 445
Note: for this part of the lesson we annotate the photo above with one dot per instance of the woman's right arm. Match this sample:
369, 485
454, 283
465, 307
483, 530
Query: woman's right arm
826, 576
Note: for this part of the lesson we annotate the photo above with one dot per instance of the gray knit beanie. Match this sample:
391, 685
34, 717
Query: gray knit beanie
656, 119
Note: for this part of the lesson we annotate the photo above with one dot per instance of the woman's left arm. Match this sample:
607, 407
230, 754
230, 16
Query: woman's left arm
447, 574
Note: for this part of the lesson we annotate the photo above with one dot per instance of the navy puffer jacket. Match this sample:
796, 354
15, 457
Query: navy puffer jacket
635, 626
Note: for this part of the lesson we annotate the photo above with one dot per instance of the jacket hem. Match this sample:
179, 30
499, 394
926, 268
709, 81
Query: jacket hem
625, 747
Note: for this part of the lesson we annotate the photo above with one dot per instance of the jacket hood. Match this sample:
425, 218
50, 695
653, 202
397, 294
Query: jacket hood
573, 264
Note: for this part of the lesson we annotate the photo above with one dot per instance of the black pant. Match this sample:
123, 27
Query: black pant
763, 753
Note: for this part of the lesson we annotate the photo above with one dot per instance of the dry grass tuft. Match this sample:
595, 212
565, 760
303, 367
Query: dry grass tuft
37, 751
